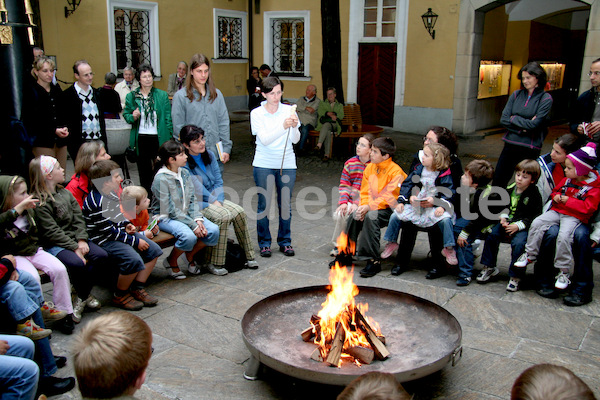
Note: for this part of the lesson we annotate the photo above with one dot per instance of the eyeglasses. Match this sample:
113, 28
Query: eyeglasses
595, 73
359, 144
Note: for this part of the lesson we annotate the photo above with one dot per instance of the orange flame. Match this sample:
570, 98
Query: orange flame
339, 308
344, 245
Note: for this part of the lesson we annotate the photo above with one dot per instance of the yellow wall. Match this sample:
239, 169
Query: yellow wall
83, 35
182, 33
431, 63
295, 89
517, 49
186, 27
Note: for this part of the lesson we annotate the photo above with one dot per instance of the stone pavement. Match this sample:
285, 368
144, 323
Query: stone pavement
199, 351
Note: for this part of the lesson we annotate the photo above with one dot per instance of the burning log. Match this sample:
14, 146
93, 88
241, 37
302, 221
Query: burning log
362, 354
335, 352
316, 355
381, 352
314, 331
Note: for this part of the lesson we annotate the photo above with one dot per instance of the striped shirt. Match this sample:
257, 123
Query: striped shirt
104, 219
351, 180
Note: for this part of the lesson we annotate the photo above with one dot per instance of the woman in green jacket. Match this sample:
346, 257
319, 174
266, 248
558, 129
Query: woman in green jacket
148, 110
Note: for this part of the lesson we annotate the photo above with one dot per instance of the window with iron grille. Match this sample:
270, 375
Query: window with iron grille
288, 46
132, 38
133, 35
287, 41
230, 37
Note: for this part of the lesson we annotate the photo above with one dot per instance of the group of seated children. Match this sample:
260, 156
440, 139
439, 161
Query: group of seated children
429, 197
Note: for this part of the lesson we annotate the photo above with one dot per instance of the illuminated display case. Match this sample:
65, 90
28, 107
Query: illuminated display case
556, 73
494, 78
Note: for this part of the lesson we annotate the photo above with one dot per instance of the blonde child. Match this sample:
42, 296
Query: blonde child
111, 355
425, 200
574, 200
547, 381
20, 238
62, 230
374, 386
134, 204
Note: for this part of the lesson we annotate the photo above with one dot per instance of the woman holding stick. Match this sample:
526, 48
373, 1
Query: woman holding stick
275, 126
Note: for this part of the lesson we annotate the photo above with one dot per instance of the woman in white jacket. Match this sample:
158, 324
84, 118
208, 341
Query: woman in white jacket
275, 126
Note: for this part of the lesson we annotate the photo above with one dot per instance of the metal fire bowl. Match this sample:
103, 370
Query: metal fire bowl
421, 336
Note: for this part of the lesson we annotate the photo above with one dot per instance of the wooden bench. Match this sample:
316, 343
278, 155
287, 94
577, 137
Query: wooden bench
352, 127
163, 239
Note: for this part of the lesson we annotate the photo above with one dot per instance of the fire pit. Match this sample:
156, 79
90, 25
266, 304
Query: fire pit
421, 336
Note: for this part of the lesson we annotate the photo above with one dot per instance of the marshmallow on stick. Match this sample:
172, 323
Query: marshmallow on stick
293, 109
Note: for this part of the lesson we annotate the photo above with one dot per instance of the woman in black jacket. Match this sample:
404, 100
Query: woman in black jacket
40, 112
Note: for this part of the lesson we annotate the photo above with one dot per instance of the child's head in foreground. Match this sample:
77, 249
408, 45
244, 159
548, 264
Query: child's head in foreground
382, 148
135, 199
550, 382
478, 173
436, 157
106, 176
374, 386
111, 354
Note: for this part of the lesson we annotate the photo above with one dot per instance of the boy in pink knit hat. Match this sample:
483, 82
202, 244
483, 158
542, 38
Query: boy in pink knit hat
574, 201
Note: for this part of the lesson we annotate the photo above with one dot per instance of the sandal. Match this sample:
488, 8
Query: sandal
175, 275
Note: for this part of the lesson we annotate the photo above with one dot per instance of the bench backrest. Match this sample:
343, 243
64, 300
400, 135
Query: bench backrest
352, 118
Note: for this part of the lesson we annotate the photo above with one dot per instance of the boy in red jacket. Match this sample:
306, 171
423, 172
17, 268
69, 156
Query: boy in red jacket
574, 201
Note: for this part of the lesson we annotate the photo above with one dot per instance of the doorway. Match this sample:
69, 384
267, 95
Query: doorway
377, 82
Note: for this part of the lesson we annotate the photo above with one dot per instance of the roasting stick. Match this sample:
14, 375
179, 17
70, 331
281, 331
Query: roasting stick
292, 112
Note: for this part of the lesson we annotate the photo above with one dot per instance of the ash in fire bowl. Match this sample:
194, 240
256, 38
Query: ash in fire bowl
421, 336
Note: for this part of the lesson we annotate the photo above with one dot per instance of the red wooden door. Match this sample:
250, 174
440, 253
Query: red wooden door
377, 82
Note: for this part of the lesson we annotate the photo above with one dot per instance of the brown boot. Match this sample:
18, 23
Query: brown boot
127, 302
144, 297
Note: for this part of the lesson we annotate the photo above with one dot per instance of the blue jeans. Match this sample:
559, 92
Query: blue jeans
582, 281
492, 244
131, 260
21, 298
186, 238
267, 180
393, 229
447, 229
464, 254
33, 295
304, 132
18, 373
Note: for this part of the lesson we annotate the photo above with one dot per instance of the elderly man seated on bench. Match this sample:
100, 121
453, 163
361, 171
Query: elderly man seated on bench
330, 115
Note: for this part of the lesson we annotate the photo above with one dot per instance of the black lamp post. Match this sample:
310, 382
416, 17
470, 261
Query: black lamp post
429, 20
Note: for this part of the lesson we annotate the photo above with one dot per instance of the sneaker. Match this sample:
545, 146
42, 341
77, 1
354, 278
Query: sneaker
93, 303
523, 261
562, 280
143, 296
219, 271
513, 285
334, 252
389, 249
463, 281
194, 269
397, 270
265, 252
373, 268
487, 273
78, 308
450, 255
32, 330
127, 302
50, 313
252, 264
287, 251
